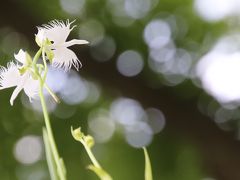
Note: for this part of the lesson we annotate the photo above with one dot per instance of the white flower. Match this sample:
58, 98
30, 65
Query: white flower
10, 77
57, 32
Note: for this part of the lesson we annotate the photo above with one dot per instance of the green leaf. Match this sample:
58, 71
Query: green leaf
50, 159
103, 175
148, 168
63, 168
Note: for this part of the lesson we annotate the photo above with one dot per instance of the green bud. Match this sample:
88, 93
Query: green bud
77, 134
89, 141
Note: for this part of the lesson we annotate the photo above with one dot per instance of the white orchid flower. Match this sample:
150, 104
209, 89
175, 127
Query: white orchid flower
11, 76
57, 32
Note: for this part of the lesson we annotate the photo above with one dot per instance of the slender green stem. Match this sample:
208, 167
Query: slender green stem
91, 156
50, 139
36, 57
34, 63
50, 133
45, 65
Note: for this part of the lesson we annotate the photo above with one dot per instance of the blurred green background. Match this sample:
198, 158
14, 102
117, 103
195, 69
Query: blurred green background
141, 84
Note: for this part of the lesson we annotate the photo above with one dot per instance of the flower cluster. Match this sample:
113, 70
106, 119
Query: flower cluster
26, 73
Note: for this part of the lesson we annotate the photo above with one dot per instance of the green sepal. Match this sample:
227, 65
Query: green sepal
47, 42
50, 55
28, 58
22, 70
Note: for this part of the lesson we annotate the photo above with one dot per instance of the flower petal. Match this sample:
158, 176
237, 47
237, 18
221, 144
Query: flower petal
40, 36
31, 88
9, 76
21, 56
57, 31
15, 93
20, 85
65, 58
70, 43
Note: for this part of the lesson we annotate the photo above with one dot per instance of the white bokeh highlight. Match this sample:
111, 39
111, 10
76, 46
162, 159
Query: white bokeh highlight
219, 70
74, 7
103, 50
157, 33
139, 134
126, 111
101, 126
156, 119
130, 63
137, 9
75, 90
28, 149
92, 30
216, 10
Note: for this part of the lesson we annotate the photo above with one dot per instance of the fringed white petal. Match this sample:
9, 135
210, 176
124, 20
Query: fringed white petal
57, 31
65, 58
21, 56
20, 85
9, 76
31, 88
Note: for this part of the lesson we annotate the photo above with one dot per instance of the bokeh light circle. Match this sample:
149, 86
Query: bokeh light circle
130, 63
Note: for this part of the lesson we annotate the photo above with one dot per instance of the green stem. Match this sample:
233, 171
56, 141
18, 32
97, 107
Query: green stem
50, 133
45, 65
91, 156
36, 57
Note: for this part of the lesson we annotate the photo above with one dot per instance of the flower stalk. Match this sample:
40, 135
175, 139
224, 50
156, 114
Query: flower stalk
88, 142
60, 168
